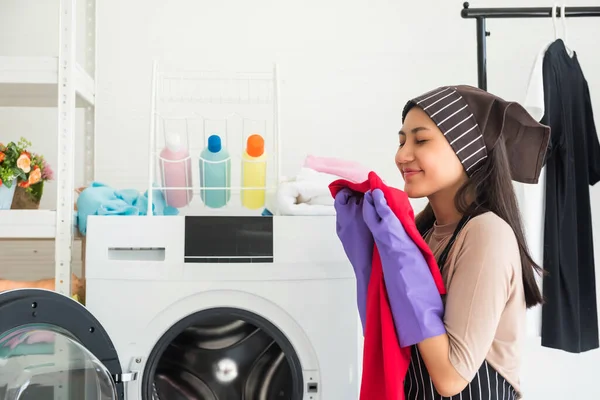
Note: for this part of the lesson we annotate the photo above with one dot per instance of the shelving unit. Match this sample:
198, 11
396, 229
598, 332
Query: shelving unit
33, 82
63, 83
27, 224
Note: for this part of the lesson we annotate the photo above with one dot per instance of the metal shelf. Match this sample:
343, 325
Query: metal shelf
27, 224
60, 82
33, 82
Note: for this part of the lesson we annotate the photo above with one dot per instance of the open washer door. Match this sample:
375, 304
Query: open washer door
51, 347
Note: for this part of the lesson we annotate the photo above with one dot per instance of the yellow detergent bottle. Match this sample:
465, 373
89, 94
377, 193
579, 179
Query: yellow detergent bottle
254, 173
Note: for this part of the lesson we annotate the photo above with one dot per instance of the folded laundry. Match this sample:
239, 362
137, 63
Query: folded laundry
100, 199
306, 194
350, 170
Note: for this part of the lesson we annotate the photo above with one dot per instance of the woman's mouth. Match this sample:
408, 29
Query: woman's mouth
410, 172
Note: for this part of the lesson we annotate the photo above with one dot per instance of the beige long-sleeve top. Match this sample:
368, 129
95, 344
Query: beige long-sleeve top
485, 307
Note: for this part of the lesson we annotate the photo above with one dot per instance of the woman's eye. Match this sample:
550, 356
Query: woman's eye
416, 141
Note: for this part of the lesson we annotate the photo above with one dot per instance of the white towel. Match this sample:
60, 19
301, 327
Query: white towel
306, 194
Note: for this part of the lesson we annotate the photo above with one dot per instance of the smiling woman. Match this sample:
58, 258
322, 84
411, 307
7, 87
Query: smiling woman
459, 147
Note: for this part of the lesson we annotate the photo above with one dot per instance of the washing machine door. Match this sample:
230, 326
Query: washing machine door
52, 348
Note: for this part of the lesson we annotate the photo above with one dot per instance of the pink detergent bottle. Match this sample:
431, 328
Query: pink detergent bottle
176, 172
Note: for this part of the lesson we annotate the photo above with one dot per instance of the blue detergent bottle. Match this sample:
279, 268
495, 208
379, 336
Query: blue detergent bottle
215, 174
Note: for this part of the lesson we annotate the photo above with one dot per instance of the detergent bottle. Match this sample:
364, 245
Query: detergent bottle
254, 173
215, 173
176, 172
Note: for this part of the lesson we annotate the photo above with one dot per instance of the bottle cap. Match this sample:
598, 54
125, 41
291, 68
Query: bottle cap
174, 143
255, 146
214, 143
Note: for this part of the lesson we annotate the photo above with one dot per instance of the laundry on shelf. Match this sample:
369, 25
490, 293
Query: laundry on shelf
346, 169
100, 199
306, 194
77, 286
26, 336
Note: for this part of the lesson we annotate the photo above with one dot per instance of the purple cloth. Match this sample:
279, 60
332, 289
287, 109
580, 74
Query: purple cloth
357, 241
415, 302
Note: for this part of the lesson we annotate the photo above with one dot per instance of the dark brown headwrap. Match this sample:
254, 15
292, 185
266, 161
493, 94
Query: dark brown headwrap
473, 121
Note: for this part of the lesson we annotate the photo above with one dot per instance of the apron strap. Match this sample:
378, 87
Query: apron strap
463, 221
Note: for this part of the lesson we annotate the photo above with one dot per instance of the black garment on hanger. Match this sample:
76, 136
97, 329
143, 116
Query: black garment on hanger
570, 316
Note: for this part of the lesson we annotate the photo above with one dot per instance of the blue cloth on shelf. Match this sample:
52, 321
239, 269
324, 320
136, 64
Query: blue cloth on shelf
266, 213
100, 199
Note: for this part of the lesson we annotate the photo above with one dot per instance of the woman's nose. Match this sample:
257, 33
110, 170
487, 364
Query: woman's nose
404, 154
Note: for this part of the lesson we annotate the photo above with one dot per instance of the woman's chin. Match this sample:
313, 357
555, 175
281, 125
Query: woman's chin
414, 191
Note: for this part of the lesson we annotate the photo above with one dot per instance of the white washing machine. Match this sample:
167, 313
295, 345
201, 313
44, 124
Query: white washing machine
202, 308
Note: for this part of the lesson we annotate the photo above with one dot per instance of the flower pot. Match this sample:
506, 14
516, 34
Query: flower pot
6, 196
24, 201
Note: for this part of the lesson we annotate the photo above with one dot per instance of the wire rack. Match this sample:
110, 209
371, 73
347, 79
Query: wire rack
193, 105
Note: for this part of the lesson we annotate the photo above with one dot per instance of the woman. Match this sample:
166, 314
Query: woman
460, 147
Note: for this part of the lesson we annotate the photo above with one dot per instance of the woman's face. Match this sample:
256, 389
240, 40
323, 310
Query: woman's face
427, 162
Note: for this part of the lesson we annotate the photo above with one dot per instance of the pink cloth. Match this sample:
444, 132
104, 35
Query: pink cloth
349, 170
26, 336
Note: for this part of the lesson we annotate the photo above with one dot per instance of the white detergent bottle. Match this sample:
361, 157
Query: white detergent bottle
176, 172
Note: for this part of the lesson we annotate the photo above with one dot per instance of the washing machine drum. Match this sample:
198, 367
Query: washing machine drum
225, 354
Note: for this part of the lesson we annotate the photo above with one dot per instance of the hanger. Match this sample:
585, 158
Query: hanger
564, 26
554, 7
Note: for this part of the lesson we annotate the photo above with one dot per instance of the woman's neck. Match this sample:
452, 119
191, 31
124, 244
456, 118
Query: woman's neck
444, 209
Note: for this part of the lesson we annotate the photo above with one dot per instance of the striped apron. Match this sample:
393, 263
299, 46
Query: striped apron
487, 384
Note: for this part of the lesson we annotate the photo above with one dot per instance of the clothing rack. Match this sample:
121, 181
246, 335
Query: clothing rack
481, 14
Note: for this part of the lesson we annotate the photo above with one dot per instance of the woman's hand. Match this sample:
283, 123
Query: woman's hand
357, 241
416, 304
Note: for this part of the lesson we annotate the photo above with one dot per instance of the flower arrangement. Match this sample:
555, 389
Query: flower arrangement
27, 170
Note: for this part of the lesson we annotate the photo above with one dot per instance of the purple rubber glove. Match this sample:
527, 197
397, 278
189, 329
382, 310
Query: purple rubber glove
357, 241
415, 302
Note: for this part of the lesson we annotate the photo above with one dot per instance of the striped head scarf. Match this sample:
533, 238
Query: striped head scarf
473, 121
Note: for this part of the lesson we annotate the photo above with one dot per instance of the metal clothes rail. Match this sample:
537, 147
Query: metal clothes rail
481, 14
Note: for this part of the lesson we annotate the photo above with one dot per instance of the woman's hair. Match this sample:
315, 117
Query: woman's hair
493, 189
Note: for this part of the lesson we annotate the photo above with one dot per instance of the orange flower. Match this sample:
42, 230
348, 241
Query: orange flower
35, 176
24, 162
2, 156
24, 184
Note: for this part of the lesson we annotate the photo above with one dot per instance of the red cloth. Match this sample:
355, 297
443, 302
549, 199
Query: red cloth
384, 363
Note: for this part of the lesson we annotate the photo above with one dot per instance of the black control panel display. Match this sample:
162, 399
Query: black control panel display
224, 239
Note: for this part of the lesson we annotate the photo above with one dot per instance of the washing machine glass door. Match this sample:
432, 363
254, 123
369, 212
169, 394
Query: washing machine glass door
40, 361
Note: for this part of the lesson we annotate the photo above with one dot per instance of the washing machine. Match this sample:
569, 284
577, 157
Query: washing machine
191, 307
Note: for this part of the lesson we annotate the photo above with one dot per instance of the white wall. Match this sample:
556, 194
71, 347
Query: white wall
347, 69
